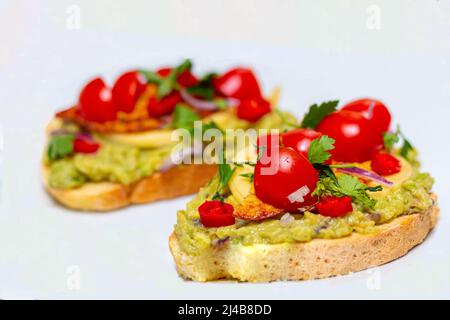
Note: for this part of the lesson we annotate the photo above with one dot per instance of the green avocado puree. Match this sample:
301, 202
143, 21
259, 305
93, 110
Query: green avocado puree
112, 162
412, 196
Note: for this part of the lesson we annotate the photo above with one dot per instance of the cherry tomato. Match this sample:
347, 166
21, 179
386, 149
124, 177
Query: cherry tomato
373, 110
335, 206
214, 214
384, 164
157, 108
239, 83
285, 180
185, 79
300, 139
252, 109
84, 144
356, 139
95, 102
268, 141
127, 89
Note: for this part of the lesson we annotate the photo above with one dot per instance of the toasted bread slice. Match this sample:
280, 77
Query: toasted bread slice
107, 196
319, 258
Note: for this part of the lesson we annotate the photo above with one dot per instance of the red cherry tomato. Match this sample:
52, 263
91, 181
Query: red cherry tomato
95, 102
268, 141
285, 180
239, 83
214, 214
185, 79
356, 139
300, 139
252, 109
83, 144
335, 206
157, 108
373, 110
127, 89
384, 164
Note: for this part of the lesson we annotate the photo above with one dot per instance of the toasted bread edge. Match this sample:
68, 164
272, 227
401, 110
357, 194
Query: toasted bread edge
319, 258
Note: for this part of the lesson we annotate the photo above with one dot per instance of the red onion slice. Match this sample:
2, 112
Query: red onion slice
203, 104
366, 174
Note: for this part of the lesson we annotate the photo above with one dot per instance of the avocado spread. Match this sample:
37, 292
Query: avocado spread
125, 160
112, 162
411, 196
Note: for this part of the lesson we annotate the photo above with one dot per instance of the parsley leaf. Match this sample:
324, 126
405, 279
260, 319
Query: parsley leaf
204, 88
316, 113
151, 77
184, 117
60, 146
406, 148
168, 83
225, 172
318, 149
390, 139
346, 185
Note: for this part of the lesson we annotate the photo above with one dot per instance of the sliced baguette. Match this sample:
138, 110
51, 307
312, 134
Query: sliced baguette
319, 258
108, 196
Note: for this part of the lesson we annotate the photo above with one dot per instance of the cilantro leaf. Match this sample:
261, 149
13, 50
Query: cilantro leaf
225, 172
316, 113
390, 139
351, 186
169, 83
204, 88
346, 185
318, 149
151, 77
60, 146
406, 148
184, 117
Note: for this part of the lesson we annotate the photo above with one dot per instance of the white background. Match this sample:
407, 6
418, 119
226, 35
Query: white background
317, 50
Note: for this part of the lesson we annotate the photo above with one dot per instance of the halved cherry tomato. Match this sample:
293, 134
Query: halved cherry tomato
127, 89
83, 144
214, 214
335, 206
356, 139
157, 108
95, 102
300, 139
384, 164
285, 179
185, 79
252, 109
373, 110
239, 83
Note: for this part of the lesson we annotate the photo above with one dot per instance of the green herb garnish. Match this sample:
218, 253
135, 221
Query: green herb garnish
318, 150
169, 83
316, 113
60, 146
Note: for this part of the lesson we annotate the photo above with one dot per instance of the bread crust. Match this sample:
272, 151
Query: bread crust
319, 258
108, 196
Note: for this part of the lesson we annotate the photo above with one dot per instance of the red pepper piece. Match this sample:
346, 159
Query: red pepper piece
252, 109
214, 214
83, 144
335, 206
384, 164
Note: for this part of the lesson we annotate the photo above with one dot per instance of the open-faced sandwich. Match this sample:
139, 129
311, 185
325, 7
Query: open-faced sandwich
114, 147
339, 194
